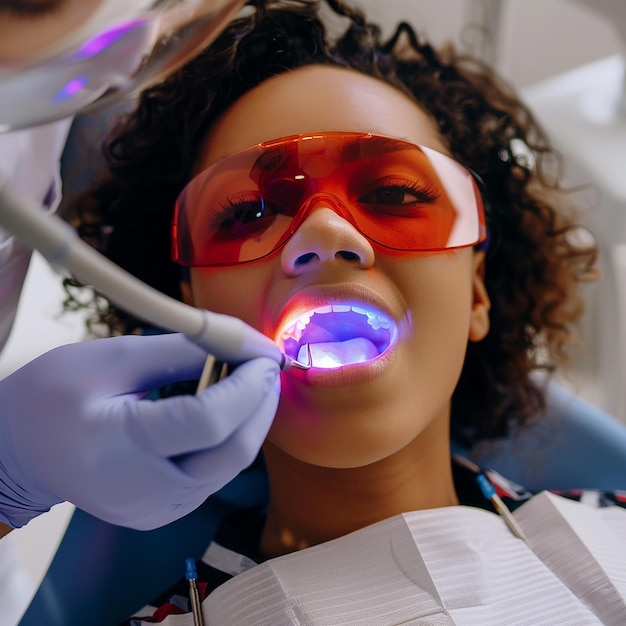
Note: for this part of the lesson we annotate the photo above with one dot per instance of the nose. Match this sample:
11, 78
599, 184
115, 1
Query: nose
324, 236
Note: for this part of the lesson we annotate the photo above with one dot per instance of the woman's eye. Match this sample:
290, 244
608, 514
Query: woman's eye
242, 217
389, 195
399, 195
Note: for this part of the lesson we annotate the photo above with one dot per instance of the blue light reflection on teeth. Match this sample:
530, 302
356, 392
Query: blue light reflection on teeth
374, 320
338, 354
339, 341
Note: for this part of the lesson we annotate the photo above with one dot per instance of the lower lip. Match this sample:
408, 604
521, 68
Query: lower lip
346, 375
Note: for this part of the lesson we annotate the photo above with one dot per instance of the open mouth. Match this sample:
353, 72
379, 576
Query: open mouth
335, 335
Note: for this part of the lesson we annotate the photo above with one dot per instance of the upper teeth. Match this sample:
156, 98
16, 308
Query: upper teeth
295, 329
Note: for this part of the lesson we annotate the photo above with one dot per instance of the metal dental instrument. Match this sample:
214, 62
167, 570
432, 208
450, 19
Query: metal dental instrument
194, 597
229, 339
212, 371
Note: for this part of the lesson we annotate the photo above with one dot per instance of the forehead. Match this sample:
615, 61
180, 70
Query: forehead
314, 99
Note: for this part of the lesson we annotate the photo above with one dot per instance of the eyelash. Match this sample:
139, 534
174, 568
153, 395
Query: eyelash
426, 194
229, 208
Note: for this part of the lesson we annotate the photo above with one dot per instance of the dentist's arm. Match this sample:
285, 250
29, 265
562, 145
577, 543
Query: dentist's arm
73, 427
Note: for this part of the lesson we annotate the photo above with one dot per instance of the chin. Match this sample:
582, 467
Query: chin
337, 439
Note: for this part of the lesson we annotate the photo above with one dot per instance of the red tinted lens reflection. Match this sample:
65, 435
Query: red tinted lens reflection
399, 195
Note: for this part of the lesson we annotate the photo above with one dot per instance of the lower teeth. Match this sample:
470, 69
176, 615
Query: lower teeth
334, 354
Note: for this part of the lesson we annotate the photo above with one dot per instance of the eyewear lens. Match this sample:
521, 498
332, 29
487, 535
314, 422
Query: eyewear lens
399, 195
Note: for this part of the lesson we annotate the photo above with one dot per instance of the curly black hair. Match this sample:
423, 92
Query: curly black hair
534, 260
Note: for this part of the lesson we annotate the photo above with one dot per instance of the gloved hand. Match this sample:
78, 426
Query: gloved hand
73, 427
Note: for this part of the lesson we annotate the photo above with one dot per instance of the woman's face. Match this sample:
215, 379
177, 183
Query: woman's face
361, 413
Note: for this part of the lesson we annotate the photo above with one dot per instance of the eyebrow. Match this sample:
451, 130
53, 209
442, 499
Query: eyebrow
362, 147
358, 148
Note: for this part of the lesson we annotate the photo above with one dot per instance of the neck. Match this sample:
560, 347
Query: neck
311, 504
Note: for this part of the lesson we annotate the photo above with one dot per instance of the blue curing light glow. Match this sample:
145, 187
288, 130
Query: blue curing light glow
338, 334
70, 89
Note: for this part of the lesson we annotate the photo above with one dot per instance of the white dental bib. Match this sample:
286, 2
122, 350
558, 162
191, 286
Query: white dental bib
454, 565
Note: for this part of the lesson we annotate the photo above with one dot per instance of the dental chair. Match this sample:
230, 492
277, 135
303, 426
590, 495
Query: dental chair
576, 446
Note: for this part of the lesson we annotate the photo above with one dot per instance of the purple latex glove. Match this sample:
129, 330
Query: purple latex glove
73, 427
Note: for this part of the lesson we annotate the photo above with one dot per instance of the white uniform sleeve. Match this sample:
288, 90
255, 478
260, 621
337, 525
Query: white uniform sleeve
29, 160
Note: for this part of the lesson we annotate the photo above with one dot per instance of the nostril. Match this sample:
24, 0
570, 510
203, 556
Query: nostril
303, 259
348, 255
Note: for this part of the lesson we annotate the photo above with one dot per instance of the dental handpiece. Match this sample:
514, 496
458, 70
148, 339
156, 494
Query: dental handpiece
228, 338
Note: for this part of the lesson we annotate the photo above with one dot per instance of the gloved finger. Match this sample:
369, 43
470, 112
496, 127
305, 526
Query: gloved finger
243, 445
183, 424
127, 364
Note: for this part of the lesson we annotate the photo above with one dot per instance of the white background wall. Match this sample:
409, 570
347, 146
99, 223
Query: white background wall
535, 40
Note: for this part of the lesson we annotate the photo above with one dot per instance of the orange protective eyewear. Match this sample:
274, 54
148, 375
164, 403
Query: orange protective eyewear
399, 195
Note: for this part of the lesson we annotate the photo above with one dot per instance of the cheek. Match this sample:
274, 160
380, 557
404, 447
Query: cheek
438, 291
441, 305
